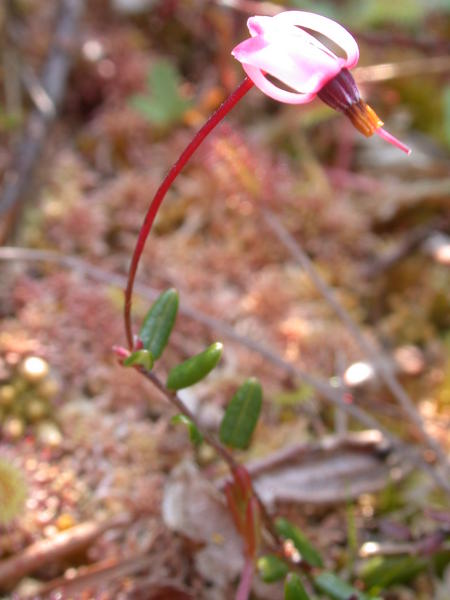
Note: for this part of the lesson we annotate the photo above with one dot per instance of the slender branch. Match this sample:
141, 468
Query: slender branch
97, 574
173, 398
199, 137
68, 542
221, 450
371, 352
53, 81
330, 394
412, 240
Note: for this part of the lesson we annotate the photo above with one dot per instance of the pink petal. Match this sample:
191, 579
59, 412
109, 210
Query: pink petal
385, 135
290, 58
325, 26
271, 31
271, 90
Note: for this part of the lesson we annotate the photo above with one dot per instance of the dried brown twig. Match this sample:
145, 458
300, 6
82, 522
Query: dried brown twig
379, 362
330, 394
53, 83
412, 240
43, 552
94, 575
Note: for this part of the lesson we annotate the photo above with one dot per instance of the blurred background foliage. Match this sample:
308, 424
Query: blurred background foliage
93, 440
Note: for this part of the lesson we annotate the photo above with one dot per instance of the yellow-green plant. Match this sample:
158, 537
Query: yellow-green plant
13, 492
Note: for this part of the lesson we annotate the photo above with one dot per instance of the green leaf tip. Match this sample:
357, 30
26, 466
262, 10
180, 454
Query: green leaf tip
271, 568
289, 531
194, 434
194, 369
162, 104
337, 589
143, 358
158, 323
293, 588
241, 415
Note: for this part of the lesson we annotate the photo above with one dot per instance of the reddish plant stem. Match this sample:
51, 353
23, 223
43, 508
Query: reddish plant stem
199, 137
245, 584
221, 450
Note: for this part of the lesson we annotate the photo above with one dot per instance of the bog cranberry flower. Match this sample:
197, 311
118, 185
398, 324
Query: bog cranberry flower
280, 47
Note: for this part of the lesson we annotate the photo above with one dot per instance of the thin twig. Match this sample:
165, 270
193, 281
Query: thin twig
53, 82
221, 450
43, 552
412, 240
329, 393
93, 575
405, 68
367, 347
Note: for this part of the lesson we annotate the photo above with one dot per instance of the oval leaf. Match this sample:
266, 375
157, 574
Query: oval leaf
271, 568
194, 369
337, 589
293, 588
381, 572
159, 322
143, 358
242, 415
194, 434
307, 551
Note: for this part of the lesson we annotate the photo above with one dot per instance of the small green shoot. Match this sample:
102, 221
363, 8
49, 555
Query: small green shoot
194, 434
141, 358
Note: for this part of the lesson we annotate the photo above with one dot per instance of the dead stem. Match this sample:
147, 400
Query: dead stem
370, 350
330, 394
35, 134
65, 543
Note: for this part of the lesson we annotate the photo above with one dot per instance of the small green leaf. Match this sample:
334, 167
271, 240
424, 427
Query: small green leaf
159, 322
381, 572
163, 104
194, 369
242, 415
271, 568
194, 434
337, 589
144, 358
293, 588
290, 532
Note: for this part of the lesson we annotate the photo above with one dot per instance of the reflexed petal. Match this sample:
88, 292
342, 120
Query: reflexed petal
326, 27
271, 90
290, 57
271, 30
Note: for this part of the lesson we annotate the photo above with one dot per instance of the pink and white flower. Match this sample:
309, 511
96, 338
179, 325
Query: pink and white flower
280, 47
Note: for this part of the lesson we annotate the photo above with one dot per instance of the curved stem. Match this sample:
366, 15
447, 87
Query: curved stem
206, 129
245, 584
